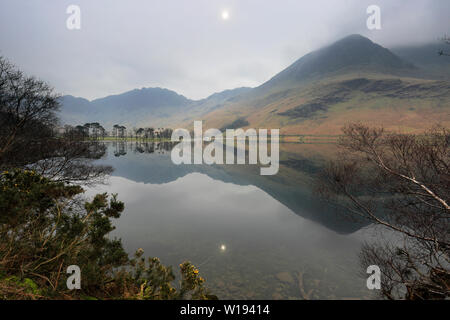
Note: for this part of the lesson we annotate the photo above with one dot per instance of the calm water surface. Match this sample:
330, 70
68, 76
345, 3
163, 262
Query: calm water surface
281, 241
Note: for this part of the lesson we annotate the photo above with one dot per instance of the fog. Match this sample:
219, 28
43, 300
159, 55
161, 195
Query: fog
188, 46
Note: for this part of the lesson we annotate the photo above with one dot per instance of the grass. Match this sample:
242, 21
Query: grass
412, 112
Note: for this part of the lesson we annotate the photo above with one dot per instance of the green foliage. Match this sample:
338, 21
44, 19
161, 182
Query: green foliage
155, 280
45, 226
25, 193
24, 286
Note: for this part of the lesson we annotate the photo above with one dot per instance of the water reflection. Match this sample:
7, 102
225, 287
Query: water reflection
120, 148
255, 237
151, 163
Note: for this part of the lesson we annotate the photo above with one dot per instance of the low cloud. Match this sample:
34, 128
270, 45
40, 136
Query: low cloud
186, 46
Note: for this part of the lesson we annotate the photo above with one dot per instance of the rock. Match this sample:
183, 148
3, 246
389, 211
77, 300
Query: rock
285, 277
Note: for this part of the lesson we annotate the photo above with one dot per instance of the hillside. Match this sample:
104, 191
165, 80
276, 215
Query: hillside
354, 53
141, 107
132, 107
427, 59
322, 108
353, 79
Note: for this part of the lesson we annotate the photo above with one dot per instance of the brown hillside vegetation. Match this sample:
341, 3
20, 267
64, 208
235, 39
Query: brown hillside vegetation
405, 104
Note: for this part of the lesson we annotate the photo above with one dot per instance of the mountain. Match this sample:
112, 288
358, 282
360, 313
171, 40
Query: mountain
75, 110
226, 95
147, 107
427, 58
353, 79
145, 98
353, 53
132, 107
198, 109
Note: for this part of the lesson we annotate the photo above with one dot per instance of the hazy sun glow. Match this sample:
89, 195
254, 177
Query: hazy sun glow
225, 15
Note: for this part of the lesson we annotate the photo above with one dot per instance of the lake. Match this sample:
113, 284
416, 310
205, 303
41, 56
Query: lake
251, 236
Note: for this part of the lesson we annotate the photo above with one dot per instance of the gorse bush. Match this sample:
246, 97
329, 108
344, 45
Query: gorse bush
155, 281
45, 226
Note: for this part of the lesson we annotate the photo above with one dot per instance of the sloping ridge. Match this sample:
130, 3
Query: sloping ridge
143, 98
352, 53
353, 79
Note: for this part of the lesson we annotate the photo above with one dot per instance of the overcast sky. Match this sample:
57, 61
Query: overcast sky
187, 46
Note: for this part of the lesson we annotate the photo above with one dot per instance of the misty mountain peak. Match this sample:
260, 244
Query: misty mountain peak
352, 53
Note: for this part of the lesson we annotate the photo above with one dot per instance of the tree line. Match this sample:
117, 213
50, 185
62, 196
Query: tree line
96, 131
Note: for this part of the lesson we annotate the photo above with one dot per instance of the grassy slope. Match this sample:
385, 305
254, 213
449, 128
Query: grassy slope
411, 105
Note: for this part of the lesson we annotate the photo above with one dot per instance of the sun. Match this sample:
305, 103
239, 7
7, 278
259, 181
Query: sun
225, 15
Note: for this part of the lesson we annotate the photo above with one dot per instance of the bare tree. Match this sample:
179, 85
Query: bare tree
402, 183
27, 131
26, 106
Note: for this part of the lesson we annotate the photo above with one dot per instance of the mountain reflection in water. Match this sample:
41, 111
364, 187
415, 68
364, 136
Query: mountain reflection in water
281, 240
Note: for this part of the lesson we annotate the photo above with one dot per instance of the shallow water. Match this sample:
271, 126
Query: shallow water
251, 236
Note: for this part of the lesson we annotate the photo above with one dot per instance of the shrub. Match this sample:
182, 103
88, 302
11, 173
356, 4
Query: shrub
45, 226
